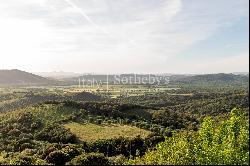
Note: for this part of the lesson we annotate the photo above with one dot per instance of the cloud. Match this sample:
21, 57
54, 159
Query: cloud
124, 35
86, 16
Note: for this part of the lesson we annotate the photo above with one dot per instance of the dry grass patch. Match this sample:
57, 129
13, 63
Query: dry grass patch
92, 132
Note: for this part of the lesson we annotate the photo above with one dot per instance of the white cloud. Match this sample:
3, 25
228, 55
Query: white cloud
122, 36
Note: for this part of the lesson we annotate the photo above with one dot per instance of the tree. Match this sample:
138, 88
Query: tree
58, 157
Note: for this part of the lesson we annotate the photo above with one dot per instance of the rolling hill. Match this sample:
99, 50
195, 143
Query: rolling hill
211, 79
20, 78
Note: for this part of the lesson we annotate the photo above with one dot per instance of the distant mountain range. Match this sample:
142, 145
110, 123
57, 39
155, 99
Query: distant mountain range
220, 79
211, 79
22, 78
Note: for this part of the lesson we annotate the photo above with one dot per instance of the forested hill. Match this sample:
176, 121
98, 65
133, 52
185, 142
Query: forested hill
17, 77
206, 79
212, 79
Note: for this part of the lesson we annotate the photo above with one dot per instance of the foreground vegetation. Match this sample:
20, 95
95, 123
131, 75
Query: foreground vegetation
37, 135
183, 124
26, 139
225, 144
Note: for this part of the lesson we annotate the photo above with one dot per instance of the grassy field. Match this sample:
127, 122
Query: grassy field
92, 132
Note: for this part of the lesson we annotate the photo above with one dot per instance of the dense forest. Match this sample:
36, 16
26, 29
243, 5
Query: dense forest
188, 124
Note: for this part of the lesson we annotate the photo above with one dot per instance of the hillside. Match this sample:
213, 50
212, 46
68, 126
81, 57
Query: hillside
201, 80
211, 79
49, 134
17, 78
60, 125
10, 102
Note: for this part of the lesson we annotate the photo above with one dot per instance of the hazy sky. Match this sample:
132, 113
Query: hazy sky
121, 36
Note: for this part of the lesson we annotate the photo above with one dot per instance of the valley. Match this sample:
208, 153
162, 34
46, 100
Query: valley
124, 124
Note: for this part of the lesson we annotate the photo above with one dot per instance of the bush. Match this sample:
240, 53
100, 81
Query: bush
226, 144
57, 157
71, 151
117, 160
89, 159
99, 121
109, 122
91, 119
56, 134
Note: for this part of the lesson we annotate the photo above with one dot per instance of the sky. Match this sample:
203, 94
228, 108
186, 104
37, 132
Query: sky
125, 36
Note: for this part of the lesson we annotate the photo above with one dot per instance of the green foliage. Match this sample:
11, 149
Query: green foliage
89, 159
117, 160
37, 134
57, 157
124, 146
56, 134
226, 144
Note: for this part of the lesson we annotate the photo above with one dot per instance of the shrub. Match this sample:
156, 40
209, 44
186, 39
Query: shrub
117, 160
57, 157
99, 121
56, 134
89, 159
226, 144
